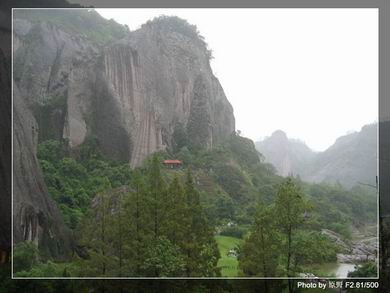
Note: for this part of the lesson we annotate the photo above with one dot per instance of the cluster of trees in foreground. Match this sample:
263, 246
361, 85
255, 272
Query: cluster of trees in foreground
280, 241
149, 228
153, 229
158, 222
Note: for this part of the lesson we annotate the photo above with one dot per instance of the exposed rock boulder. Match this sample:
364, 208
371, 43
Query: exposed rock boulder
355, 252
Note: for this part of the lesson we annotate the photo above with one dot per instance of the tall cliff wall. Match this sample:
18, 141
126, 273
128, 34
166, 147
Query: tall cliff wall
35, 215
132, 93
155, 80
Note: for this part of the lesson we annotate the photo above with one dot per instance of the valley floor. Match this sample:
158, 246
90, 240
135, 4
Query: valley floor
228, 263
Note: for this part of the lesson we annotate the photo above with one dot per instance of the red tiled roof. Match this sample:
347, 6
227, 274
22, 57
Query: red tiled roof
172, 162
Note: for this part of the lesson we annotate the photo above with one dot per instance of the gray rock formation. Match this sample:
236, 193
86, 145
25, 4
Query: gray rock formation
360, 252
357, 251
131, 93
35, 215
152, 81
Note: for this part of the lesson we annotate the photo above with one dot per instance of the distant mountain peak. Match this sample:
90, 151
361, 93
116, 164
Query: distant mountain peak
287, 155
279, 133
350, 159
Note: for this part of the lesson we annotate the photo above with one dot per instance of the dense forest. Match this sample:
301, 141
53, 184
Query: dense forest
158, 221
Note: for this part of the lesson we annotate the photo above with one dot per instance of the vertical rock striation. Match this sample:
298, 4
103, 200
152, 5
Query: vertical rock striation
131, 93
158, 78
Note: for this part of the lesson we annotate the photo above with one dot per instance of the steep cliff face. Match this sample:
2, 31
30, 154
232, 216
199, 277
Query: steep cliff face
152, 81
36, 217
47, 105
52, 71
131, 92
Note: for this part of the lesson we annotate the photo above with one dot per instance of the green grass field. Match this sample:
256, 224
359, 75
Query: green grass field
228, 264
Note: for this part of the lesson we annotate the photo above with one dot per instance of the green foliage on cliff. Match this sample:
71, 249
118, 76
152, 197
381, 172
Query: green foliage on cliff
180, 138
86, 23
50, 113
74, 179
180, 26
198, 125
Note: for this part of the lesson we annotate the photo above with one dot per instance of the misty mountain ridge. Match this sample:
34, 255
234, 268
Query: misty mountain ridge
350, 160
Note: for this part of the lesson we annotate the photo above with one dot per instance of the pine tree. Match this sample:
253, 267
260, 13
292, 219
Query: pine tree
119, 220
259, 254
200, 246
138, 226
290, 208
97, 234
163, 259
176, 222
157, 191
199, 122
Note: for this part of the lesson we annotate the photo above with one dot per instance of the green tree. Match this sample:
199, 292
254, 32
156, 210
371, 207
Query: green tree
180, 138
118, 239
199, 121
157, 191
259, 254
97, 234
138, 226
199, 240
289, 208
310, 247
163, 259
176, 223
50, 150
25, 256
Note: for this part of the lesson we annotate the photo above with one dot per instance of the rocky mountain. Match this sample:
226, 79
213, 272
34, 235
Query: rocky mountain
289, 156
350, 160
132, 93
78, 75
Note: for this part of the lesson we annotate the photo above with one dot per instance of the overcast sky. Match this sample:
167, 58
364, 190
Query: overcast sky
312, 73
